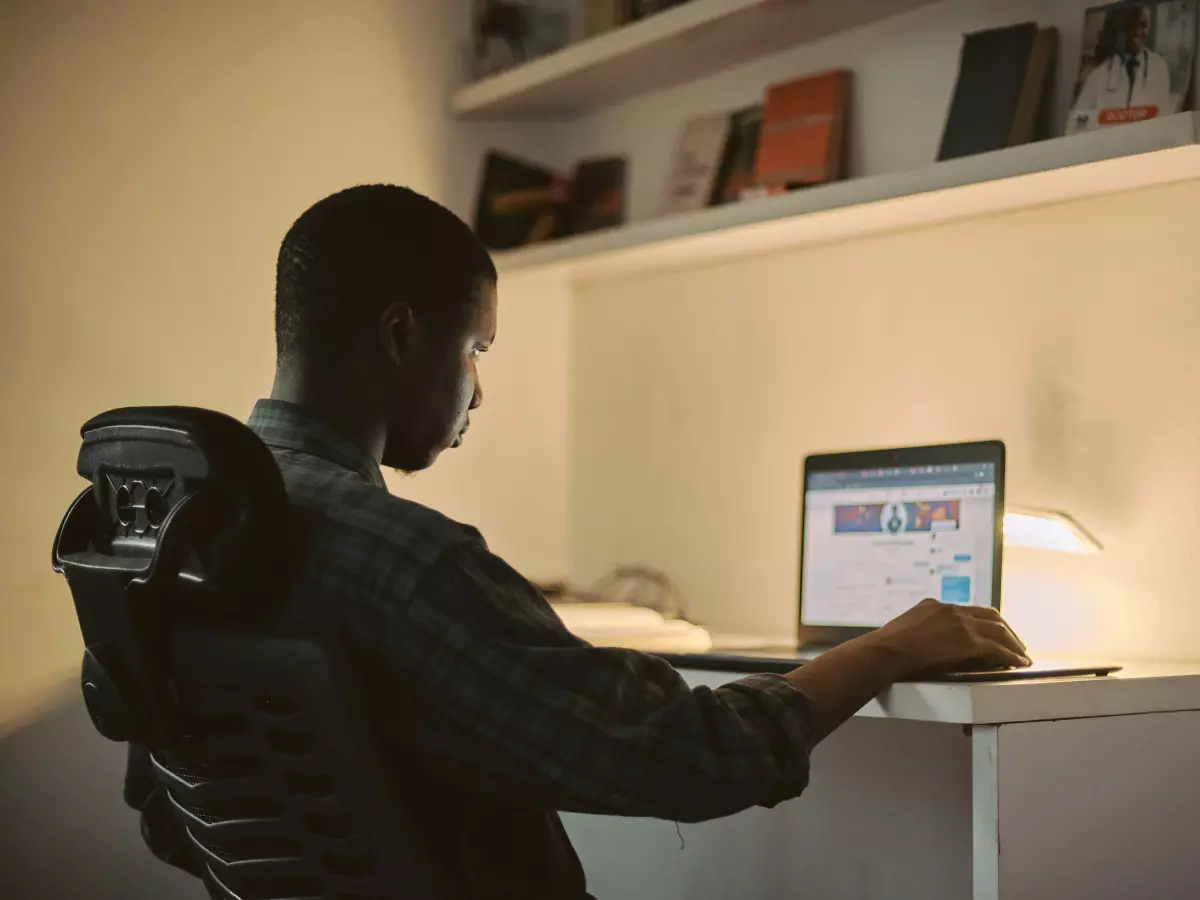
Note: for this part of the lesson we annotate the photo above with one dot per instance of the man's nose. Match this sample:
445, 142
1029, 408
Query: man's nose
477, 397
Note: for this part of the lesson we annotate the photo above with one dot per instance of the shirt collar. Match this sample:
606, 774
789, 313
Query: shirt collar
287, 426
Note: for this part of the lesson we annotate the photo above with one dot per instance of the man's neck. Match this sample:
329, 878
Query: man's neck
339, 405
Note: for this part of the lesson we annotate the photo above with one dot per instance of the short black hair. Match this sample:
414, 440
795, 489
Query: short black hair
353, 253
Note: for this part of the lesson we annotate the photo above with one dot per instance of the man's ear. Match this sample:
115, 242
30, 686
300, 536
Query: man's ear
397, 331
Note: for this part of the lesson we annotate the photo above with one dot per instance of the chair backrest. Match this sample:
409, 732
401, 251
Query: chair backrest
176, 559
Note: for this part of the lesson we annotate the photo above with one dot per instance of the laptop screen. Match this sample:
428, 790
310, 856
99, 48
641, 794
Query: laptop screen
878, 541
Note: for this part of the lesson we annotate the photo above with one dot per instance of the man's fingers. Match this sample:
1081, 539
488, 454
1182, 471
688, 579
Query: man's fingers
988, 654
988, 614
998, 655
981, 612
999, 633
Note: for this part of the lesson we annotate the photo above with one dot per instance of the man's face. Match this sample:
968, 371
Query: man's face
438, 386
1137, 30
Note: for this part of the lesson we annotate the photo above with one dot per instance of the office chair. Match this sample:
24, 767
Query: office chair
176, 560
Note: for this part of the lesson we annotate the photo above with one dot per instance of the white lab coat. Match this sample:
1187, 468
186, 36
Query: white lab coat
1107, 87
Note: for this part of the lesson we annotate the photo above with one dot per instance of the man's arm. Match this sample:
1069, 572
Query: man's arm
928, 638
510, 703
516, 705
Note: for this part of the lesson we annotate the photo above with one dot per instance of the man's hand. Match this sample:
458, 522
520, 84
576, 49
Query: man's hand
930, 638
937, 637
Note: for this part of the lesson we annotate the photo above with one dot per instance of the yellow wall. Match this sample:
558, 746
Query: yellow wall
1070, 331
152, 156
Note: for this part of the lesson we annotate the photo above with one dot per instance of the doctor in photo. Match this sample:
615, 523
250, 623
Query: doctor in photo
1132, 76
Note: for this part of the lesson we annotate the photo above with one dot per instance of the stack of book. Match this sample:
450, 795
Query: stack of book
521, 202
795, 139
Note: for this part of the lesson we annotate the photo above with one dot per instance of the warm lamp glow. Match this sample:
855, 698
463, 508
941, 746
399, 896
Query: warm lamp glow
1047, 530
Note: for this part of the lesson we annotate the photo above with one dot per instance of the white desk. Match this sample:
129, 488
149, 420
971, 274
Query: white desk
1039, 790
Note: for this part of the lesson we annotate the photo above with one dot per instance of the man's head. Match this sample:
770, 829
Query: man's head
383, 302
1137, 30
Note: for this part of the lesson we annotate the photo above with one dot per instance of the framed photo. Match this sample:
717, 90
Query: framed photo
1138, 63
507, 33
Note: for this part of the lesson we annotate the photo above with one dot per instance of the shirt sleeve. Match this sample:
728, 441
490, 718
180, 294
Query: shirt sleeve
514, 704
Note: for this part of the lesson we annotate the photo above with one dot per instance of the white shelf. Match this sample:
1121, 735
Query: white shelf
686, 42
1101, 162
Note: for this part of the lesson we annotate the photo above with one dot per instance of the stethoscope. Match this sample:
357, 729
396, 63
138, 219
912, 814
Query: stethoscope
1117, 63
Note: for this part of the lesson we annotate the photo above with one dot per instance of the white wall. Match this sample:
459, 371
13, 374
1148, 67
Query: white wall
1072, 332
154, 154
510, 476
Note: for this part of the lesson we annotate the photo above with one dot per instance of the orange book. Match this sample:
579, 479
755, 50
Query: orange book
804, 128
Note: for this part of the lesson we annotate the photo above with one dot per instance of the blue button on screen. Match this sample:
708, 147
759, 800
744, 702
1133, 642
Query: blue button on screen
956, 589
962, 557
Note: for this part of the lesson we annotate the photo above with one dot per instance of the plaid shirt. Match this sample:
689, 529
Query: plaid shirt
493, 715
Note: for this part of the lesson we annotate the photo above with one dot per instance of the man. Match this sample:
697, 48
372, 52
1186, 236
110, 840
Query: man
494, 716
1133, 77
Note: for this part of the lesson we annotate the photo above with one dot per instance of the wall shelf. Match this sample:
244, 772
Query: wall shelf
1101, 162
678, 45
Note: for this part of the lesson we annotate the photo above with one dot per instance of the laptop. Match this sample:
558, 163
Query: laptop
881, 530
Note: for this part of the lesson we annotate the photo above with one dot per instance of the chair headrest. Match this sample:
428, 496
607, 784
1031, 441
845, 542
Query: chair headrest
145, 462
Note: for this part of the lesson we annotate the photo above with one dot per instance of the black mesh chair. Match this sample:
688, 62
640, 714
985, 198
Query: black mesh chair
252, 735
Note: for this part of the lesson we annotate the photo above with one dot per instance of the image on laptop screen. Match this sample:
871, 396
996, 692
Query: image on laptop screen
878, 541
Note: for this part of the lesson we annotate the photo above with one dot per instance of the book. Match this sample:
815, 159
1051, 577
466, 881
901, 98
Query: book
1001, 90
736, 173
696, 164
598, 194
616, 624
600, 16
640, 9
1030, 122
519, 203
803, 131
1138, 62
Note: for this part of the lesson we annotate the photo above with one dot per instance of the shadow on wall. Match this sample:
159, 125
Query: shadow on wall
64, 829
